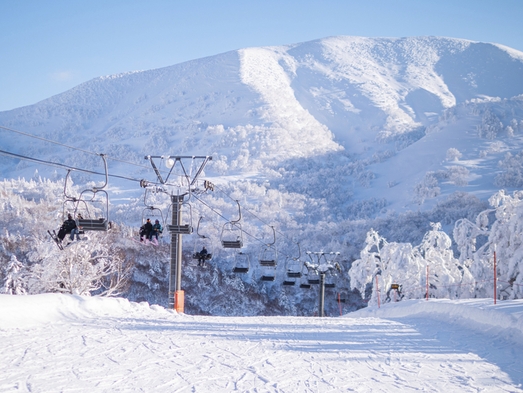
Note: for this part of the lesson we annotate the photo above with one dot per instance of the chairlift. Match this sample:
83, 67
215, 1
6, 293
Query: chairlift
342, 296
268, 259
70, 202
232, 234
269, 254
304, 283
200, 242
84, 219
241, 263
149, 211
304, 279
183, 229
293, 268
313, 275
334, 268
330, 279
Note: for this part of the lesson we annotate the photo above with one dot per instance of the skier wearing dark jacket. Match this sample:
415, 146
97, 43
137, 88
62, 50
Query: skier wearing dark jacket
146, 230
66, 227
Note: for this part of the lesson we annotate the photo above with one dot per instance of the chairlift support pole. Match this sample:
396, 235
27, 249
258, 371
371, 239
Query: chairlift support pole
175, 268
322, 272
322, 295
176, 295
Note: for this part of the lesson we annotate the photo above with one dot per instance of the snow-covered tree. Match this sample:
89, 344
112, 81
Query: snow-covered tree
83, 268
458, 175
501, 230
453, 154
427, 189
383, 264
14, 281
512, 174
448, 278
365, 269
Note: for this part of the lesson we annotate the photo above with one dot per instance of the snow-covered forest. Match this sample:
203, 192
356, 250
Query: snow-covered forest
116, 263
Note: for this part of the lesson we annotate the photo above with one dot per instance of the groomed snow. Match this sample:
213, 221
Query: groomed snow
60, 343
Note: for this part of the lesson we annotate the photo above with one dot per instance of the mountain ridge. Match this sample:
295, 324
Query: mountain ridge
354, 103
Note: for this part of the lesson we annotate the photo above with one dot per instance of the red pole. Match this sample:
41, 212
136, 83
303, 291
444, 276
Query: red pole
427, 293
339, 303
495, 279
378, 291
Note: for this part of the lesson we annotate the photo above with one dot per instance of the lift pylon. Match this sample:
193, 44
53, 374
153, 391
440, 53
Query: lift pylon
184, 185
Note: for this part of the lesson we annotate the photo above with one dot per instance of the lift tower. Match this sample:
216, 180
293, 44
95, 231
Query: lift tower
183, 183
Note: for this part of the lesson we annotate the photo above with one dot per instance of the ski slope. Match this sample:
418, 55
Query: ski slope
60, 343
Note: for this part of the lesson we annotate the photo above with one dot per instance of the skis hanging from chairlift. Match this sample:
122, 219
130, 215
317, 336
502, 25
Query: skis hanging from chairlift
77, 209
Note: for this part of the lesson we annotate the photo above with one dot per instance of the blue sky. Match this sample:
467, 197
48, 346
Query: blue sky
48, 47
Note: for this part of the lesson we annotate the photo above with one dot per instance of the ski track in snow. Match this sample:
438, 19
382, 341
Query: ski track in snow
166, 352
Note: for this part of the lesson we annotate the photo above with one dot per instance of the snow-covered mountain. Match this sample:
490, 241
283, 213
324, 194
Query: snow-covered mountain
363, 117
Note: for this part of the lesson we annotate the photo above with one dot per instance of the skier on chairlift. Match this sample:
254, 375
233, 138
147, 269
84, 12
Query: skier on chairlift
76, 231
67, 227
202, 256
146, 231
157, 229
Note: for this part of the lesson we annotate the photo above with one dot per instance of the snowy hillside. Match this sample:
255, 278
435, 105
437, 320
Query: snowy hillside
101, 345
352, 107
322, 141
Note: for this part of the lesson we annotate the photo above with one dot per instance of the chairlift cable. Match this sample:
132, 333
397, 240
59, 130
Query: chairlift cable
226, 219
243, 230
252, 214
56, 164
67, 146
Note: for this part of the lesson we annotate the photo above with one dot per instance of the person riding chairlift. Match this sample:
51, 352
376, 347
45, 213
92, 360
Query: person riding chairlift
157, 229
146, 231
67, 227
202, 255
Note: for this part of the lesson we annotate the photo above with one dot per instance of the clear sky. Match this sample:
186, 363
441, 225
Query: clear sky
47, 47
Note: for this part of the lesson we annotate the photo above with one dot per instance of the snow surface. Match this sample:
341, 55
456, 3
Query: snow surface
64, 343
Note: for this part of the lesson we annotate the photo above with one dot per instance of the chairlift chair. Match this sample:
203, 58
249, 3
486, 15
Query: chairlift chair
313, 276
304, 279
89, 223
342, 296
182, 229
268, 259
232, 234
331, 276
202, 241
70, 204
293, 269
304, 284
269, 253
241, 263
